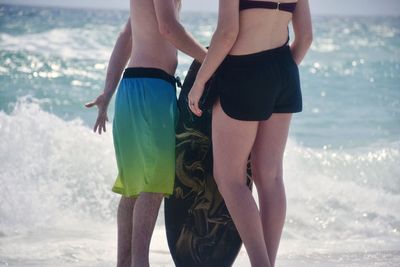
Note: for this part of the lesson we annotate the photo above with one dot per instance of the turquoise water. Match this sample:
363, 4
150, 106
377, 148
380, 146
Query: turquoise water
341, 167
350, 81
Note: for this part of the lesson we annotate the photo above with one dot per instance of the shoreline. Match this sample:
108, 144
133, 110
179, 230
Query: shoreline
70, 247
162, 259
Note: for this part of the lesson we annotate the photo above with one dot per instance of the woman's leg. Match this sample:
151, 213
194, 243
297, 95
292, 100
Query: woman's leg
266, 160
232, 143
124, 222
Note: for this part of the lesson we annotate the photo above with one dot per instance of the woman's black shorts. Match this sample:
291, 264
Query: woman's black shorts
252, 87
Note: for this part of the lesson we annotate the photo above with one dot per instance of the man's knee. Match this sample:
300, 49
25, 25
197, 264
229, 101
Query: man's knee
151, 195
126, 202
152, 199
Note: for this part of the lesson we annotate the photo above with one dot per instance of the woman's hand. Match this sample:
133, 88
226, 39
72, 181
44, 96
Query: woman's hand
101, 102
194, 97
303, 32
221, 43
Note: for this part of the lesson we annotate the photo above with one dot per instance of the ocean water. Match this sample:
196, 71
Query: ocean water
342, 164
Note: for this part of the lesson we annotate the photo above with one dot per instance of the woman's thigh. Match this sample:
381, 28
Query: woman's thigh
269, 146
232, 142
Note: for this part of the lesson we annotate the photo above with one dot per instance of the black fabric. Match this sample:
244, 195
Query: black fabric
252, 87
199, 228
288, 7
209, 96
140, 72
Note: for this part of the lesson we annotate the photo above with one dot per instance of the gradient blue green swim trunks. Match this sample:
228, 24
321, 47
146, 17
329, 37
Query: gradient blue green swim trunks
144, 132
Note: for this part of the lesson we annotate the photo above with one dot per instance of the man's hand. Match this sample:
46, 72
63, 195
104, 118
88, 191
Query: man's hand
102, 104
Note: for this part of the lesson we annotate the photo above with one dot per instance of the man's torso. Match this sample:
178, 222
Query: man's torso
149, 47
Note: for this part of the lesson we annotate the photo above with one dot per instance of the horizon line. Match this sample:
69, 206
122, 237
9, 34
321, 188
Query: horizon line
183, 11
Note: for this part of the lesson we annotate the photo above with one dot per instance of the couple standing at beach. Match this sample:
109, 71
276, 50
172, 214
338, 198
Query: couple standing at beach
256, 77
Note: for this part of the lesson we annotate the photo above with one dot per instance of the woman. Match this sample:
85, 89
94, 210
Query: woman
256, 77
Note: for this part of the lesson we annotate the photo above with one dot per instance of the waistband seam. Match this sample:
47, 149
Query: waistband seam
144, 72
260, 53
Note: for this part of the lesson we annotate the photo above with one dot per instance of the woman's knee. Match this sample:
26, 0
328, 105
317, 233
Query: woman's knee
267, 174
231, 189
229, 182
219, 176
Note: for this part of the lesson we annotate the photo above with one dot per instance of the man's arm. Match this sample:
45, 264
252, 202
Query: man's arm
119, 57
174, 32
118, 60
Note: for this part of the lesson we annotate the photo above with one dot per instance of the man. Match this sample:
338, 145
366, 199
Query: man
144, 119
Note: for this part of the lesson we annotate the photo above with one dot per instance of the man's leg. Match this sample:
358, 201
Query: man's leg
124, 221
144, 219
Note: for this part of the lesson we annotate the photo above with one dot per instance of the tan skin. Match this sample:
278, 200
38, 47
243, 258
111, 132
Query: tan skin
150, 38
157, 37
242, 33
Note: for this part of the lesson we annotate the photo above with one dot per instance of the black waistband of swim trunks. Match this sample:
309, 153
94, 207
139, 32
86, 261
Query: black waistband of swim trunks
141, 72
256, 57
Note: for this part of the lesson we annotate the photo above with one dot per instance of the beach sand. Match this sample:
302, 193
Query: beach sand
96, 247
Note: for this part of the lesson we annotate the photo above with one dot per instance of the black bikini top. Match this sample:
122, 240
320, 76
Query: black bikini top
288, 7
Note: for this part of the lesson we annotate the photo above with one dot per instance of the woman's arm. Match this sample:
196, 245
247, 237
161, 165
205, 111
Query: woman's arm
302, 30
221, 43
119, 57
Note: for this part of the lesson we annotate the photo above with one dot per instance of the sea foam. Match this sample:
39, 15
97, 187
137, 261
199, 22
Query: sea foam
52, 168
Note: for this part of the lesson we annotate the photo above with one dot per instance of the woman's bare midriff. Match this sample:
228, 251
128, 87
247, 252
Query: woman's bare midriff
261, 29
